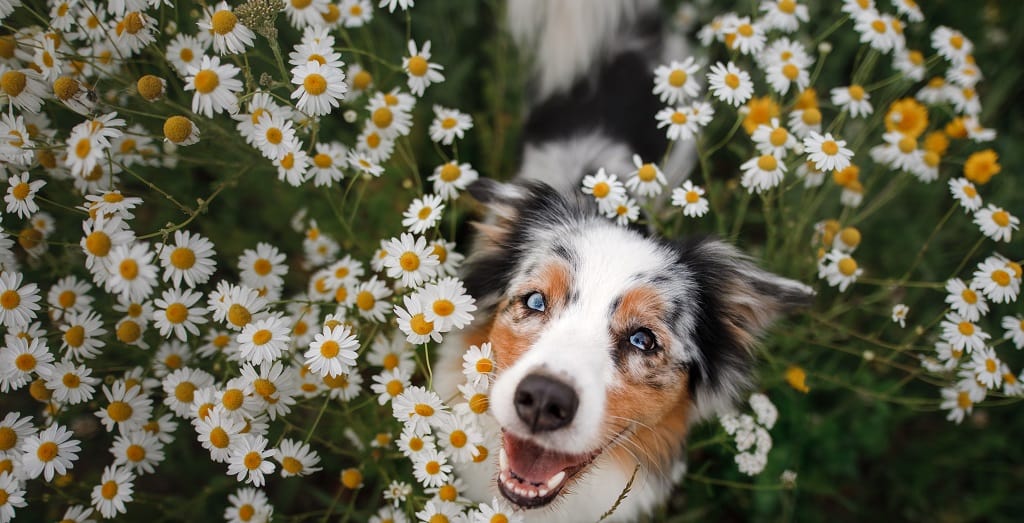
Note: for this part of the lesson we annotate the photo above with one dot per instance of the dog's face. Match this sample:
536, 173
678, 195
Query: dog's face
606, 339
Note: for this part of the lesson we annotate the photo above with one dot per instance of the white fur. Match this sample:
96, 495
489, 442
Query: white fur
569, 36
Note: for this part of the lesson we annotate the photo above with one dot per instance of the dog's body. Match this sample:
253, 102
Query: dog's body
609, 343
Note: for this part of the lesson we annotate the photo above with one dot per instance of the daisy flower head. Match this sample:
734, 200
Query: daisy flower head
296, 458
965, 193
730, 84
128, 408
998, 279
371, 299
180, 388
958, 401
449, 124
911, 63
215, 86
749, 37
626, 211
333, 351
431, 468
478, 364
248, 505
1014, 330
249, 460
996, 223
171, 356
899, 152
376, 145
784, 15
389, 384
18, 303
774, 139
963, 334
306, 12
362, 162
22, 88
343, 387
423, 214
263, 266
176, 313
21, 194
264, 340
827, 153
410, 260
390, 121
853, 99
131, 273
230, 36
449, 258
451, 178
419, 409
356, 13
446, 304
499, 509
986, 367
951, 44
678, 122
606, 189
784, 74
420, 70
878, 31
647, 180
236, 305
183, 52
691, 198
71, 384
14, 430
1012, 384
115, 489
674, 82
964, 300
12, 495
762, 173
21, 360
139, 451
391, 353
49, 453
840, 270
219, 432
326, 164
320, 87
189, 259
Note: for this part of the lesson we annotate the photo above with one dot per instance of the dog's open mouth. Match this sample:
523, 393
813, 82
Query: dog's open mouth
532, 476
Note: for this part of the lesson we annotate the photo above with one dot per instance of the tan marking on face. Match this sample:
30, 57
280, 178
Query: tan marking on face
514, 329
659, 441
641, 306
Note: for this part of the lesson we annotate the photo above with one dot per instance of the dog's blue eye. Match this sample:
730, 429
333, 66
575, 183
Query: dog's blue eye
642, 339
536, 302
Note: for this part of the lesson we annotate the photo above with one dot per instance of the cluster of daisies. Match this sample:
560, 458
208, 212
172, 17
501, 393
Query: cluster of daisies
750, 433
228, 362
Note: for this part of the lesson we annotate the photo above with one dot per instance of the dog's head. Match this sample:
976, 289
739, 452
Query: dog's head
605, 337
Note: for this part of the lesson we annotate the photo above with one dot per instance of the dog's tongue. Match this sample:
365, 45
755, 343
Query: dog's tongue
535, 464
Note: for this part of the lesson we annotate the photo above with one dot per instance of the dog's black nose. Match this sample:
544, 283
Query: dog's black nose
544, 403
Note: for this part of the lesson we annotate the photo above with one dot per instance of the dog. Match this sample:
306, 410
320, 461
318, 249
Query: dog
609, 342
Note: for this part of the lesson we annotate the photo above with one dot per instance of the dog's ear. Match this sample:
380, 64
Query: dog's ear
736, 302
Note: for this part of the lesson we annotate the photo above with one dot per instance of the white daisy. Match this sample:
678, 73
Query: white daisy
176, 313
827, 153
420, 409
853, 99
139, 451
131, 273
263, 340
49, 453
115, 489
964, 300
333, 351
249, 460
215, 86
22, 88
958, 402
411, 321
389, 384
18, 303
730, 84
296, 458
411, 443
71, 384
188, 259
606, 189
292, 164
962, 334
951, 44
749, 37
219, 432
998, 279
431, 468
305, 12
327, 163
449, 124
1014, 327
21, 194
420, 70
410, 259
320, 87
356, 13
21, 360
691, 198
12, 495
840, 269
784, 15
423, 214
678, 122
14, 430
451, 178
363, 163
127, 408
647, 180
674, 82
371, 299
783, 75
986, 367
248, 505
183, 52
878, 31
965, 193
762, 173
230, 36
996, 222
446, 304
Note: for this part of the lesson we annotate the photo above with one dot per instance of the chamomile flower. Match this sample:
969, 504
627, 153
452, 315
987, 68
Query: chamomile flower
1012, 384
1014, 330
853, 99
411, 321
71, 384
215, 87
749, 37
606, 189
626, 211
674, 82
911, 63
691, 198
343, 387
410, 260
180, 388
647, 180
459, 439
362, 162
730, 84
18, 303
958, 402
305, 13
325, 167
965, 193
951, 44
877, 31
762, 173
296, 458
449, 258
965, 301
183, 52
127, 408
21, 360
332, 352
784, 15
115, 489
230, 36
986, 367
996, 223
21, 194
139, 451
189, 259
176, 313
840, 270
236, 306
420, 409
263, 340
171, 356
356, 13
249, 460
451, 178
292, 164
14, 430
499, 509
262, 267
389, 384
431, 468
446, 304
899, 151
320, 87
248, 505
962, 334
49, 453
449, 124
12, 495
827, 153
22, 88
422, 73
131, 273
391, 353
371, 299
423, 214
678, 122
998, 279
82, 335
783, 75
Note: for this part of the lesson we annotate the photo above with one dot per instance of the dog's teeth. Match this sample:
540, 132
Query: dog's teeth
502, 460
543, 492
503, 476
531, 493
510, 484
556, 480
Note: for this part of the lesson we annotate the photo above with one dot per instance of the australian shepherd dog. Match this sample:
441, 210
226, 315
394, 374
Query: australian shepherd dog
609, 342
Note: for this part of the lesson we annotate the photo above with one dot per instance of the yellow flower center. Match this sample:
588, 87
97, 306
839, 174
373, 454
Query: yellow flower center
183, 258
322, 160
778, 137
966, 328
128, 269
150, 87
790, 71
232, 399
856, 92
879, 26
177, 129
264, 387
246, 512
185, 391
337, 382
424, 213
135, 453
647, 172
315, 84
811, 116
75, 336
65, 87
173, 361
252, 460
351, 478
291, 465
301, 4
787, 6
449, 123
432, 467
990, 365
390, 361
219, 438
692, 197
361, 80
394, 388
262, 337
109, 489
420, 325
238, 315
415, 444
767, 162
481, 454
1001, 277
969, 296
601, 189
479, 403
329, 349
186, 55
679, 118
963, 400
907, 145
829, 147
382, 117
484, 365
8, 438
732, 80
10, 299
677, 78
373, 140
417, 66
448, 493
450, 172
119, 411
83, 147
223, 22
847, 266
1002, 218
71, 380
746, 30
365, 300
443, 307
13, 83
956, 41
47, 451
206, 81
177, 313
409, 261
25, 362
